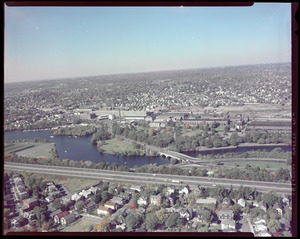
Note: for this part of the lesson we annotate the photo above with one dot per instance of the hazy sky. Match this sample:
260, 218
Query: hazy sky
57, 42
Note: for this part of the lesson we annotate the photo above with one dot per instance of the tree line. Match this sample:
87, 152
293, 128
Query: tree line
247, 173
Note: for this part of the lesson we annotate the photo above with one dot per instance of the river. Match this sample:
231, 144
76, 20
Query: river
81, 148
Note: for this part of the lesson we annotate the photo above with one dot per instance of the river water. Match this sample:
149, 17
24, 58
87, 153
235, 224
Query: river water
81, 148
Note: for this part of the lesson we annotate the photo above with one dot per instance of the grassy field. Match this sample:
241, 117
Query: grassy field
190, 132
259, 164
81, 226
30, 149
115, 146
72, 184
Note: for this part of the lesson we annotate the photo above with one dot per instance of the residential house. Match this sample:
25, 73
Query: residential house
246, 225
111, 205
89, 207
86, 193
104, 210
203, 201
227, 224
118, 200
186, 213
199, 214
55, 194
242, 202
16, 221
50, 187
58, 217
156, 199
29, 204
226, 202
49, 199
136, 188
66, 199
185, 190
76, 197
122, 226
171, 201
260, 227
23, 194
259, 224
95, 190
29, 215
182, 198
264, 234
262, 205
142, 201
278, 207
84, 203
53, 214
170, 190
140, 230
225, 214
259, 220
67, 219
285, 201
125, 196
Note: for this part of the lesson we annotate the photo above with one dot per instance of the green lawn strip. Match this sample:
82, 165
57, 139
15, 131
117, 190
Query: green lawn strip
258, 164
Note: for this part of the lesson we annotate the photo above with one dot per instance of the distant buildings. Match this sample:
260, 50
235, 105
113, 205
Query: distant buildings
283, 126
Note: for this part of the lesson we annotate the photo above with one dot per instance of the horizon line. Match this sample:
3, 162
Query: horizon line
140, 72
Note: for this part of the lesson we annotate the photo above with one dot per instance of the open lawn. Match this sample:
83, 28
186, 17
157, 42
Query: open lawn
30, 149
81, 226
71, 184
117, 146
259, 164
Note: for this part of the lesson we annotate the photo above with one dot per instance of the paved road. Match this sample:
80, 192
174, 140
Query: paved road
146, 178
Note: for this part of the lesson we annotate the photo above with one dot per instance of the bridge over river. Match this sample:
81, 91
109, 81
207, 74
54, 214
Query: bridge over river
189, 159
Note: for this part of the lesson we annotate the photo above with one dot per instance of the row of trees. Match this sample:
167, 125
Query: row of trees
276, 153
247, 173
254, 173
75, 131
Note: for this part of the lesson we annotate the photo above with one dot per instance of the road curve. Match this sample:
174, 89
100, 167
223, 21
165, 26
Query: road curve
147, 178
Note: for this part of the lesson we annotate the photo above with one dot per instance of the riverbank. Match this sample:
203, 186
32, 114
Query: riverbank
201, 149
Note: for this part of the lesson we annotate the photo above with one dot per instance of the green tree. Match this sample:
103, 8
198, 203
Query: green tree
274, 226
132, 221
79, 205
151, 221
270, 198
208, 216
174, 220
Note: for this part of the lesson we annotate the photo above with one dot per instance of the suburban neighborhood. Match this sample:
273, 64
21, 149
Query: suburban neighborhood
142, 208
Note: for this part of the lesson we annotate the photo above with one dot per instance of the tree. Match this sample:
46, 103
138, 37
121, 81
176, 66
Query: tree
174, 221
151, 221
57, 204
162, 215
208, 216
132, 221
103, 226
270, 198
274, 226
79, 205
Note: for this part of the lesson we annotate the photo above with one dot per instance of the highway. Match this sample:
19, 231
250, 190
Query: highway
147, 178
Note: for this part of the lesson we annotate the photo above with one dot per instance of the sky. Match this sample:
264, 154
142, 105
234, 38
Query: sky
64, 42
